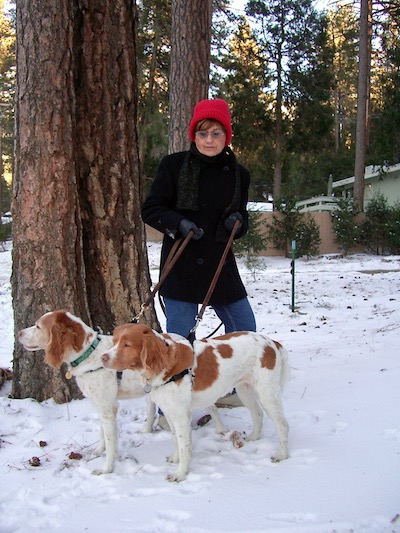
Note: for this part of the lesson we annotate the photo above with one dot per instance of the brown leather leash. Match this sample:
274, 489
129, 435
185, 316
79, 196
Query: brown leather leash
199, 316
173, 256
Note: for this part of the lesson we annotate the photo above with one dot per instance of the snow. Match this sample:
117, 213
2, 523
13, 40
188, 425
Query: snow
342, 404
259, 206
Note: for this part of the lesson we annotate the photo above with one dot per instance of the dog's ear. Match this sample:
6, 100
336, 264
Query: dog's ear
154, 354
66, 335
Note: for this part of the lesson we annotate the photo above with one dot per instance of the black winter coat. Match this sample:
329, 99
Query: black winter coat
191, 276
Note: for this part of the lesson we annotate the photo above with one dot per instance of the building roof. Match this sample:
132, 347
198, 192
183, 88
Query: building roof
373, 171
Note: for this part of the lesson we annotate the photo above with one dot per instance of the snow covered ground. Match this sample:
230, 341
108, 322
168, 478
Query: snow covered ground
342, 404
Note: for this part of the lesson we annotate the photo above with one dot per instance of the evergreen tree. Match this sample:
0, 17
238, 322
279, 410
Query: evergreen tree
385, 123
286, 31
344, 225
252, 243
343, 40
291, 225
380, 230
154, 48
310, 138
243, 86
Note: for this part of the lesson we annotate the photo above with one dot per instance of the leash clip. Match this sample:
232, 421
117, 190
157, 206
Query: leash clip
139, 315
192, 333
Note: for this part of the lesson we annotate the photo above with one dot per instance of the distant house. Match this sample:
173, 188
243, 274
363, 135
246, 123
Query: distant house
384, 180
376, 180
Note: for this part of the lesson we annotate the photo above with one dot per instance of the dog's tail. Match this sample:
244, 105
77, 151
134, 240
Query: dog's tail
285, 368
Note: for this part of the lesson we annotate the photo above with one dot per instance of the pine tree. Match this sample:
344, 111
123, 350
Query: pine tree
153, 56
310, 124
285, 33
343, 39
385, 83
243, 86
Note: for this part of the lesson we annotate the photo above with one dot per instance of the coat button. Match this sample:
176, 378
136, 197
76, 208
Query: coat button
200, 261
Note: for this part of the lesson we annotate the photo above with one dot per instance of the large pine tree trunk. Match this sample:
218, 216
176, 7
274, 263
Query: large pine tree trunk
190, 66
48, 270
79, 241
108, 163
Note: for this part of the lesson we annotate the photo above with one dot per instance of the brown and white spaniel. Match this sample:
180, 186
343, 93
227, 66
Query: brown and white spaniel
181, 377
65, 338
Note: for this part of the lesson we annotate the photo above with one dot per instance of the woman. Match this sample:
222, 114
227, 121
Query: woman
205, 190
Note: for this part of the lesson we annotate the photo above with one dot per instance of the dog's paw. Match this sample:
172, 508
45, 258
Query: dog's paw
279, 457
101, 471
252, 437
176, 478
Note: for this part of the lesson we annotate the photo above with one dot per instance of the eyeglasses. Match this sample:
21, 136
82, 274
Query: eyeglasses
216, 134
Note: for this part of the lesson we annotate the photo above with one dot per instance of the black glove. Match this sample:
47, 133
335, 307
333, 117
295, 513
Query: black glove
185, 226
230, 222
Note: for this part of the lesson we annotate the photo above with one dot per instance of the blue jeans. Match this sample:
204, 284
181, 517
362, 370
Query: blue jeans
181, 316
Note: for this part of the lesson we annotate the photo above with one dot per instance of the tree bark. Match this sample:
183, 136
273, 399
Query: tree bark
190, 66
79, 241
277, 188
362, 102
48, 267
108, 163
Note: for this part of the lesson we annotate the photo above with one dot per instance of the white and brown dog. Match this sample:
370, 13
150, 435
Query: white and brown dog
65, 338
181, 377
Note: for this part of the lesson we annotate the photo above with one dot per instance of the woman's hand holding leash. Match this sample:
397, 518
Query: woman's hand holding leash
186, 226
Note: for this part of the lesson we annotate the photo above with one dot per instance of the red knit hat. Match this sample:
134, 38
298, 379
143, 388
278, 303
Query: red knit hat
215, 110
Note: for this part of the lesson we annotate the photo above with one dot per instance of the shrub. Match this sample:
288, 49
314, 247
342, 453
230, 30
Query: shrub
289, 225
252, 243
394, 230
344, 226
374, 232
307, 237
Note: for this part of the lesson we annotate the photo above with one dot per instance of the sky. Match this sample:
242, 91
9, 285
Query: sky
342, 405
